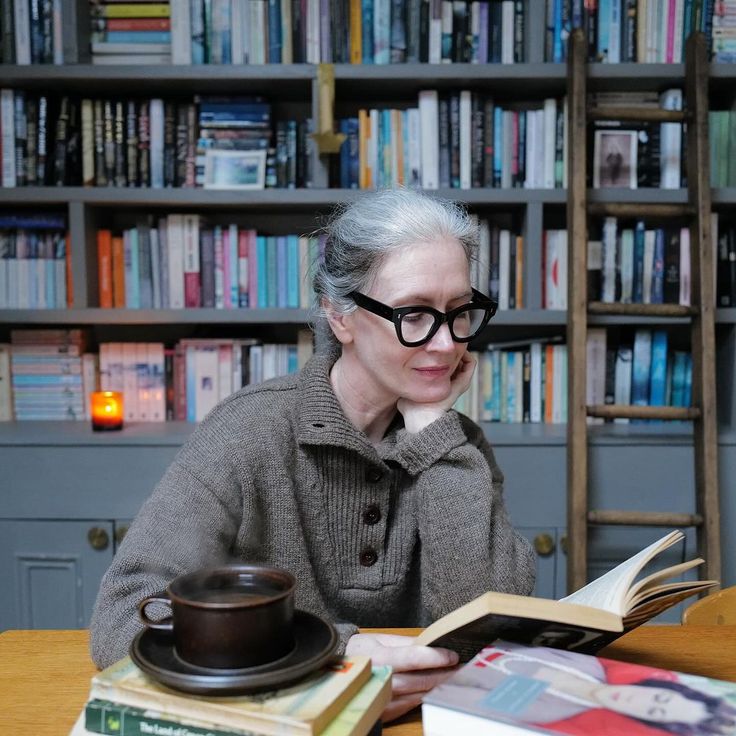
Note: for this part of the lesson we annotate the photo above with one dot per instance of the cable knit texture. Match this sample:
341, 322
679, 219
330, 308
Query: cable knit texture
277, 474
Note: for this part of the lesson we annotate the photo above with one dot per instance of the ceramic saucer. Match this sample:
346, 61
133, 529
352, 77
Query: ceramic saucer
316, 641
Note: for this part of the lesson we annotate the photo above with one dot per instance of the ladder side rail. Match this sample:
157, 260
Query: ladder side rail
577, 228
702, 295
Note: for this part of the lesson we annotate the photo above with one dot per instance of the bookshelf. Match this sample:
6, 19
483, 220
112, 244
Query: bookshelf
93, 487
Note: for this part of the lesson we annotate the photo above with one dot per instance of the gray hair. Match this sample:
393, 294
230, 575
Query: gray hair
360, 234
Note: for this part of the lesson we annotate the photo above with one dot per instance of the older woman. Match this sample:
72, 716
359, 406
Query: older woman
355, 474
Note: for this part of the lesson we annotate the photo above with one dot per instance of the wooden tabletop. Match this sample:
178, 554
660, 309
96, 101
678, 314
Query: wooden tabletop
45, 675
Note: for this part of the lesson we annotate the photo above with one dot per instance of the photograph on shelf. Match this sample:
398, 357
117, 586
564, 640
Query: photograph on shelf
234, 169
614, 159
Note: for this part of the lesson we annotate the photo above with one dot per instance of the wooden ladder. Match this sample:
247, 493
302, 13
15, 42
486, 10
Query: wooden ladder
697, 212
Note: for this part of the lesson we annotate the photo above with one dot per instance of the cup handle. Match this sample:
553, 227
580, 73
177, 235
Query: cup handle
164, 625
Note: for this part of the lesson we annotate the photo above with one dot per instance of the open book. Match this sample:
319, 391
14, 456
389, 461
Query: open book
585, 621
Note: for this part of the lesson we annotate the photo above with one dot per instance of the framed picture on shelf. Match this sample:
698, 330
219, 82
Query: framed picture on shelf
234, 169
614, 159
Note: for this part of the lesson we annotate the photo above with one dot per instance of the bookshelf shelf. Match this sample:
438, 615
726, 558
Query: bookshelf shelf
93, 316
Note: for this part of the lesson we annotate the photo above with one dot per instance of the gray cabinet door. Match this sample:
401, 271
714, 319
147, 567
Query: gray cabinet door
546, 562
50, 572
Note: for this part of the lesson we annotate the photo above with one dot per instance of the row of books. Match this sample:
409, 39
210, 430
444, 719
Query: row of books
647, 31
31, 32
50, 374
630, 265
181, 261
208, 142
458, 140
722, 128
185, 382
525, 381
370, 32
33, 258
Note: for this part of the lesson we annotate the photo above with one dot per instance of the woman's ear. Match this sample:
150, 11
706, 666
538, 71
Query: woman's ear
340, 324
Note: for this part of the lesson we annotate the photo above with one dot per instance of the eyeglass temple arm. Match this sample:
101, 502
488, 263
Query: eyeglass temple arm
376, 307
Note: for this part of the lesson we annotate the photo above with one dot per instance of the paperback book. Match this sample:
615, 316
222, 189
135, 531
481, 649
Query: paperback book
586, 621
510, 688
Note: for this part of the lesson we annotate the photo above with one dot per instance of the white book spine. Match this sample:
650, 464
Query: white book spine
181, 32
614, 32
313, 35
130, 382
507, 32
535, 383
435, 40
446, 29
504, 255
7, 137
550, 122
608, 277
484, 256
57, 36
22, 31
206, 377
685, 276
156, 112
237, 43
156, 363
677, 55
650, 237
225, 368
507, 137
670, 142
622, 380
429, 113
287, 46
466, 134
175, 243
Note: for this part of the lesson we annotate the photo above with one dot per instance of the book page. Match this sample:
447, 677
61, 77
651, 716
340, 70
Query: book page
609, 592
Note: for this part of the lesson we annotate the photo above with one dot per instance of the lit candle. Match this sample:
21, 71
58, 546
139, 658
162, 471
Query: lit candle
107, 410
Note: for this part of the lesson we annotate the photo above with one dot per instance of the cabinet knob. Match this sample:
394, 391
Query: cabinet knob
120, 531
98, 538
563, 543
544, 545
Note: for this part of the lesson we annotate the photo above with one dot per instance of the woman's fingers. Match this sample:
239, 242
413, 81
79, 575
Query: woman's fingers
400, 652
421, 682
400, 705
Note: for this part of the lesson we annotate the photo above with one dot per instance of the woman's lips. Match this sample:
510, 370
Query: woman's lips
433, 371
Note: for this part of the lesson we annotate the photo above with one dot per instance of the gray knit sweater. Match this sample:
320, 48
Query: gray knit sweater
393, 535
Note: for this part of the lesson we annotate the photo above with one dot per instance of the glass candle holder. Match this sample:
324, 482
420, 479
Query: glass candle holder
107, 411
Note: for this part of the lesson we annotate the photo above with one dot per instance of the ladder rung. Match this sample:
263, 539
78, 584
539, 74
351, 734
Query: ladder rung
639, 209
647, 114
644, 518
642, 310
627, 411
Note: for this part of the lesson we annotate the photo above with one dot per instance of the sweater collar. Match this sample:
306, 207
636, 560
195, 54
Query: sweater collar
321, 419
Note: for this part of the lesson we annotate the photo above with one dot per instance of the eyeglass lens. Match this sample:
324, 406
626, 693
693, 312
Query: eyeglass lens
416, 326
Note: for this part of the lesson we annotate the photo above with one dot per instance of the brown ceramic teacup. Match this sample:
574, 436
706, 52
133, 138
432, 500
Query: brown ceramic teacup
228, 617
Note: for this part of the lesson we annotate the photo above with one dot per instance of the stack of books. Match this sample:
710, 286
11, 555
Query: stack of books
130, 32
46, 374
346, 698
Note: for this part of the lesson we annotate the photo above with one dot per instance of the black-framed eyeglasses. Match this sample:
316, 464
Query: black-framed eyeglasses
416, 325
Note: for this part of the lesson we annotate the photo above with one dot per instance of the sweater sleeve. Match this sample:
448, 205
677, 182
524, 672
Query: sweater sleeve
190, 521
468, 545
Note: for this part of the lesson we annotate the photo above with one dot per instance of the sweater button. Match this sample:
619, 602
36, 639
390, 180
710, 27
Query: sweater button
371, 514
368, 557
373, 475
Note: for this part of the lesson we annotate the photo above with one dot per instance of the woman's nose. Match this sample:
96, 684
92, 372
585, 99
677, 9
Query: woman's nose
442, 340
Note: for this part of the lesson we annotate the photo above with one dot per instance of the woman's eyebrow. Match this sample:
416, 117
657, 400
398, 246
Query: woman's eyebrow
415, 298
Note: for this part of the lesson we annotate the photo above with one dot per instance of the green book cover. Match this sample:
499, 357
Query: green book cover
355, 719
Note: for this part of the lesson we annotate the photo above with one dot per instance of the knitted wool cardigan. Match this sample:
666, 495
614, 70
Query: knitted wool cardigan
397, 534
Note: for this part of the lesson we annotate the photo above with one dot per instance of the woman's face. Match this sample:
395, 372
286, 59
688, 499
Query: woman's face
434, 274
651, 703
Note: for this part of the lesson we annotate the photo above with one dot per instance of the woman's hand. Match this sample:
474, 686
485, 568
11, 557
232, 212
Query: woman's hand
416, 670
418, 416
